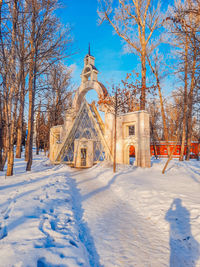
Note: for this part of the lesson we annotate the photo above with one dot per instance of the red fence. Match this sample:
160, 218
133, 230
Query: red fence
161, 149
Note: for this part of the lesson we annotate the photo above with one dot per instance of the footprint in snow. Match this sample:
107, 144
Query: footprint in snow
41, 262
73, 243
53, 225
3, 232
6, 212
51, 210
6, 216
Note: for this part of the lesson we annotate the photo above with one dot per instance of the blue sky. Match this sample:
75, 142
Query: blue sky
106, 47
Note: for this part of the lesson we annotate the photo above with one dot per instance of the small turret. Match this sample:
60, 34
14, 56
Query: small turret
89, 71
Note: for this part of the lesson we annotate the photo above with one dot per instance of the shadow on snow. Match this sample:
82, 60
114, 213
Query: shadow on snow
184, 249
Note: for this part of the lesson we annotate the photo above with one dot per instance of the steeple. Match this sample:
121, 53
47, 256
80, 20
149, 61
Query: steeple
89, 71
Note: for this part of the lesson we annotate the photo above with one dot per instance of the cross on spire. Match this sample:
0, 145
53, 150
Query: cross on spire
89, 49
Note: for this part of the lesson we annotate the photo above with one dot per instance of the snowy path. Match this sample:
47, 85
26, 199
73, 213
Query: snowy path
55, 216
126, 216
37, 222
120, 232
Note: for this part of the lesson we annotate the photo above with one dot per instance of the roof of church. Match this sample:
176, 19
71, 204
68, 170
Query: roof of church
77, 122
94, 68
89, 54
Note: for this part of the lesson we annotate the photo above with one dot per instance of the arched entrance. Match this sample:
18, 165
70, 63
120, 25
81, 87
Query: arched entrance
131, 154
84, 88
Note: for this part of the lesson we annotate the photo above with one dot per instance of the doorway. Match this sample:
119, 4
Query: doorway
131, 154
83, 156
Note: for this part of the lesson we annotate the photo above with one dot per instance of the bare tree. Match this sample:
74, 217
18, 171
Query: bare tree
135, 22
155, 71
10, 87
118, 102
1, 131
23, 52
48, 44
59, 94
185, 99
154, 111
4, 74
32, 40
56, 100
185, 28
38, 123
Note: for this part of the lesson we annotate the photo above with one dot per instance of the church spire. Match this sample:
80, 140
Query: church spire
89, 70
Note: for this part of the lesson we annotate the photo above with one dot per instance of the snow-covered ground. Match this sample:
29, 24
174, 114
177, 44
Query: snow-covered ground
57, 216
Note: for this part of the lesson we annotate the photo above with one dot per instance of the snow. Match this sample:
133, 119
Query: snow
58, 216
38, 224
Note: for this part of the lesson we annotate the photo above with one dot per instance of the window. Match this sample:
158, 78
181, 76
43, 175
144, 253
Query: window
131, 130
83, 156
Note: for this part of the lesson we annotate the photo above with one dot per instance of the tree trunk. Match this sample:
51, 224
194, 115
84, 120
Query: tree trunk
5, 152
37, 146
155, 150
10, 155
185, 102
153, 140
1, 116
38, 124
5, 96
170, 156
115, 135
198, 151
143, 89
166, 136
22, 97
1, 131
163, 118
19, 133
172, 152
4, 140
13, 94
1, 144
30, 131
12, 132
29, 142
31, 120
190, 106
10, 163
1, 159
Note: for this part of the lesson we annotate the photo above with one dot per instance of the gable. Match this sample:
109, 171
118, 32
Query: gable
85, 126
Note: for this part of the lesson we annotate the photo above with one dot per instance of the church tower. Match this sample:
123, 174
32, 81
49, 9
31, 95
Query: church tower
89, 71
